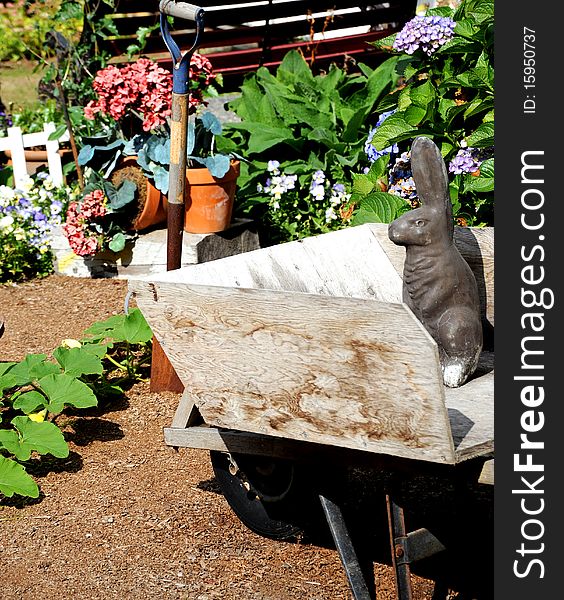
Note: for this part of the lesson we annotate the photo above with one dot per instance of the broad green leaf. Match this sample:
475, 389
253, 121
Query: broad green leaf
120, 197
354, 125
7, 382
379, 169
381, 79
263, 137
379, 207
477, 106
422, 95
440, 11
385, 43
211, 123
158, 149
362, 184
136, 329
85, 155
44, 437
161, 178
33, 367
105, 329
415, 114
6, 366
294, 67
59, 131
483, 137
65, 390
466, 28
478, 184
117, 243
394, 129
29, 402
487, 168
78, 361
14, 480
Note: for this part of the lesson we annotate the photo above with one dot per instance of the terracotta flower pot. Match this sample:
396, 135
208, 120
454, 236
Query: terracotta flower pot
152, 203
154, 211
209, 201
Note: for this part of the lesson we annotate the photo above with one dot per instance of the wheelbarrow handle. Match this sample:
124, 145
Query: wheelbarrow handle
182, 10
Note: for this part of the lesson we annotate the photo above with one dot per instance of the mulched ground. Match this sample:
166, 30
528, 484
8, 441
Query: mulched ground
125, 516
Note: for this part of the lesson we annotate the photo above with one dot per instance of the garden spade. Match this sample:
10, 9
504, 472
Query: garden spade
179, 122
163, 376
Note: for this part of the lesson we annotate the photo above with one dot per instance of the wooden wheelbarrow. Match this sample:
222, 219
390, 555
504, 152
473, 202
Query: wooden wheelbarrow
307, 347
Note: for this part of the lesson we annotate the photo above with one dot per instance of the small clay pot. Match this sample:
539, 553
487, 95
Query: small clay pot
209, 201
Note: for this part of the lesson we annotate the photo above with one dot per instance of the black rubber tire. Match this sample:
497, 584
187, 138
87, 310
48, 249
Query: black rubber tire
278, 504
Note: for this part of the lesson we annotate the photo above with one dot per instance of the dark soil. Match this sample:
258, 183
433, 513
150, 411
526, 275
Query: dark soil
125, 516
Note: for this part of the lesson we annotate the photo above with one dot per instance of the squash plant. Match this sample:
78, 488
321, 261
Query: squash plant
37, 389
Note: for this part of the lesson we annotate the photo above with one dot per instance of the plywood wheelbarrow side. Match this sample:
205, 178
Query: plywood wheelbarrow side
310, 341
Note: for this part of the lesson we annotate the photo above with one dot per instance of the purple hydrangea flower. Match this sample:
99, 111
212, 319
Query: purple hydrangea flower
401, 181
371, 152
467, 160
424, 33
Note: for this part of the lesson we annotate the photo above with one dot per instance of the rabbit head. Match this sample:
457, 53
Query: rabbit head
432, 222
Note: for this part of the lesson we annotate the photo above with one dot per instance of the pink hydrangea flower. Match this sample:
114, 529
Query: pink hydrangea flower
146, 89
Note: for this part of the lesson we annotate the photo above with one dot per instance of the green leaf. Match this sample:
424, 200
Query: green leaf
29, 402
482, 137
478, 184
379, 207
6, 366
43, 437
121, 196
211, 123
362, 184
385, 43
394, 129
59, 131
33, 367
415, 114
135, 327
65, 390
7, 382
487, 168
106, 328
14, 480
117, 243
157, 149
78, 361
264, 137
294, 68
422, 95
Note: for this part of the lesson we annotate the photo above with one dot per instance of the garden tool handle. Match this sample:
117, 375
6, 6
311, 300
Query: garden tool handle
182, 10
178, 122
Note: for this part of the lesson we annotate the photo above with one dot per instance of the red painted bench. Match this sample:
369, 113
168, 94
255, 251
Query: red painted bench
241, 35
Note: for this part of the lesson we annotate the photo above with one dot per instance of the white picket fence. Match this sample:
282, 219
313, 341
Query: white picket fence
17, 142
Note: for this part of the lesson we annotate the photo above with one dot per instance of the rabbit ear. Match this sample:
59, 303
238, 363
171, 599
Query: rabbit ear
430, 174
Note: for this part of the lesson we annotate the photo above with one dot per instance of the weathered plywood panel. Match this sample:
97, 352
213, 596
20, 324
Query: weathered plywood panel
476, 246
347, 372
348, 263
471, 414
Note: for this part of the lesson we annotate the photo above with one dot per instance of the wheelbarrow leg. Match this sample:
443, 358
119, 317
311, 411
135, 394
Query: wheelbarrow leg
398, 542
361, 588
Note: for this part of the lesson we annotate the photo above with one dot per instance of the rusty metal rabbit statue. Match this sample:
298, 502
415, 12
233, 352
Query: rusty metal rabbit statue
438, 285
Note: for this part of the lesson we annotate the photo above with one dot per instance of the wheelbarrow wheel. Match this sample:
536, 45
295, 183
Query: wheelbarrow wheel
270, 496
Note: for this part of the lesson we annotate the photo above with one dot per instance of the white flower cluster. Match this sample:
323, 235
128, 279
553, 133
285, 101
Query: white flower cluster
278, 184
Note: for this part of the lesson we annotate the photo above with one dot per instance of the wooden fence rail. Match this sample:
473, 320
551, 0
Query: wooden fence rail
16, 143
